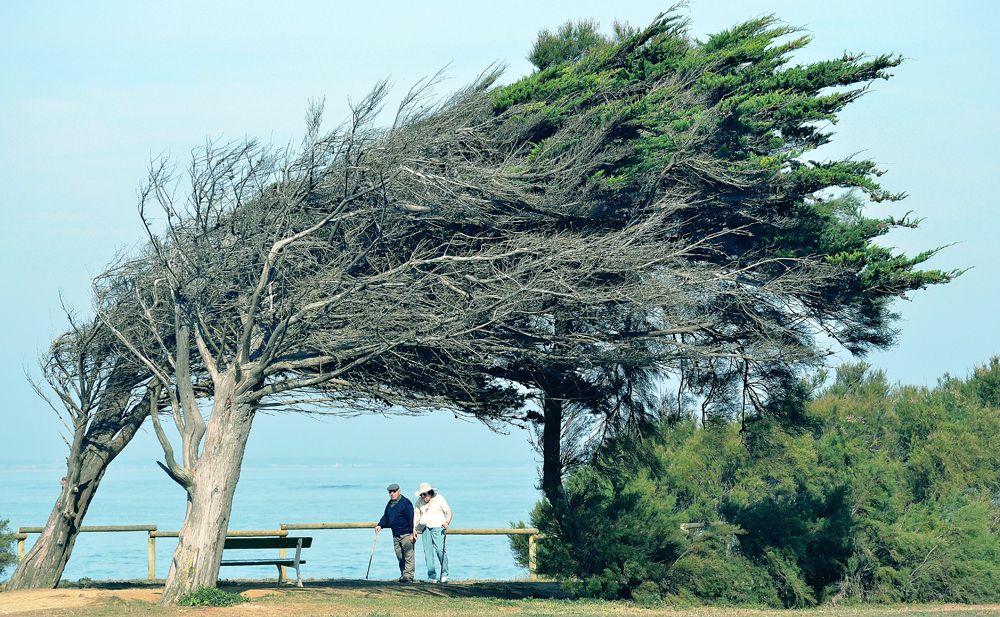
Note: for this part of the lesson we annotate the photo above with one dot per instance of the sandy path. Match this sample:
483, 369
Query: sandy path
14, 602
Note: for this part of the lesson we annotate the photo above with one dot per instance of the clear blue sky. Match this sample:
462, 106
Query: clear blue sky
91, 93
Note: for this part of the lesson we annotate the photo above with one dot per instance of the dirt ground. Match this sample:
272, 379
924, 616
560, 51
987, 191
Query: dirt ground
351, 598
14, 602
63, 601
57, 601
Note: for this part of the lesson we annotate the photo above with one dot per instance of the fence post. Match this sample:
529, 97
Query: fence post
531, 558
20, 546
152, 556
282, 553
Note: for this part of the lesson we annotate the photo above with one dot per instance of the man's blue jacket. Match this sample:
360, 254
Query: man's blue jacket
398, 516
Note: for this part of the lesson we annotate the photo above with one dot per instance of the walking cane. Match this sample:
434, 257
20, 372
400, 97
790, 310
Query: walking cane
444, 543
373, 555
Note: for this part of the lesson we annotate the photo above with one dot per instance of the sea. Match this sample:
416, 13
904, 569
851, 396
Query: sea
272, 493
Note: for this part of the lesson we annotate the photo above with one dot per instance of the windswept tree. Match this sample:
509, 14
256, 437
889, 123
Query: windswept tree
641, 208
102, 395
371, 268
710, 140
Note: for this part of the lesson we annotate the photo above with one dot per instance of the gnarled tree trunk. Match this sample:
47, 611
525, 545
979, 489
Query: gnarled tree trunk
210, 495
44, 564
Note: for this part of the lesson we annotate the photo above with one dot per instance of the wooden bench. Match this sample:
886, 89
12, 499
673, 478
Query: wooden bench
265, 543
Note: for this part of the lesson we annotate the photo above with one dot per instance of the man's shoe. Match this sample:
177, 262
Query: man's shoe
404, 579
444, 579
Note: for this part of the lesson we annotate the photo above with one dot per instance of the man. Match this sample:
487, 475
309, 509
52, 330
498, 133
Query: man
433, 516
398, 516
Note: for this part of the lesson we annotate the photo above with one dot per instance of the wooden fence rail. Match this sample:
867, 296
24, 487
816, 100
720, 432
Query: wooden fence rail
282, 531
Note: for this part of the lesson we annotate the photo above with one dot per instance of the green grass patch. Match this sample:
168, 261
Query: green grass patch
212, 596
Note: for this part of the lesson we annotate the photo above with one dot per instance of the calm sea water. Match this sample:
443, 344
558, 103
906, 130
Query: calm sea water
268, 496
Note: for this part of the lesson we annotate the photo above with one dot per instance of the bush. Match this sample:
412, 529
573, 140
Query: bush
881, 494
212, 596
568, 42
7, 555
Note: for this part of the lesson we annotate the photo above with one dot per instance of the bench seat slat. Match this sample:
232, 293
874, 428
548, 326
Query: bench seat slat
263, 543
289, 563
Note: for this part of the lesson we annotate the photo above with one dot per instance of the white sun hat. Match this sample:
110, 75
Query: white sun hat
424, 488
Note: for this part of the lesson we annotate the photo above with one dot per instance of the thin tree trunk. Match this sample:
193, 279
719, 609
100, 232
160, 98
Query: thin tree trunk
552, 472
210, 496
552, 417
552, 432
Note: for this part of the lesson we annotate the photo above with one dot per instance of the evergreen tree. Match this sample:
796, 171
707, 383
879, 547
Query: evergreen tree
707, 142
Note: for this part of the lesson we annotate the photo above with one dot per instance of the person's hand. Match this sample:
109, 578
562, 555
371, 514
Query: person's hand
413, 537
378, 528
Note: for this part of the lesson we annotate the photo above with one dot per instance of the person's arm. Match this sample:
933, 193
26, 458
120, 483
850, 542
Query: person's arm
447, 511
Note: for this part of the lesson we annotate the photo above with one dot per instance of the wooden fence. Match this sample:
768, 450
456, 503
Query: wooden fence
282, 531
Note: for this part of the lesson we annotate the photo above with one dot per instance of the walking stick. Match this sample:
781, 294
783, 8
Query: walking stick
444, 543
373, 555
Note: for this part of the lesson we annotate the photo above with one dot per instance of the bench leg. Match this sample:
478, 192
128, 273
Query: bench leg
282, 571
298, 557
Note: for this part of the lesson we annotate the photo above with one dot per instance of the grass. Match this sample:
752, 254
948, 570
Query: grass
116, 607
212, 596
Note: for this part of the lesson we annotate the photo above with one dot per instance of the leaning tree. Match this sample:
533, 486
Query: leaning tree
102, 395
708, 139
371, 267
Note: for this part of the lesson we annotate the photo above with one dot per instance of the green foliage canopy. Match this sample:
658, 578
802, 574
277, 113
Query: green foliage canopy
569, 41
707, 142
724, 126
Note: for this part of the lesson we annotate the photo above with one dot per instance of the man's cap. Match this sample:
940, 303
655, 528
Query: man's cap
392, 487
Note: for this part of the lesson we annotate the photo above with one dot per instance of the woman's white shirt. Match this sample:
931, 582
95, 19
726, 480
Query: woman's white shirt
433, 513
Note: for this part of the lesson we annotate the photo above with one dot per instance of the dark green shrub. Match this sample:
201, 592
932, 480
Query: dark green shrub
7, 555
212, 596
881, 494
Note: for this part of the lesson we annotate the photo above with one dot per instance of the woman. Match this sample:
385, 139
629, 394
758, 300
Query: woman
432, 516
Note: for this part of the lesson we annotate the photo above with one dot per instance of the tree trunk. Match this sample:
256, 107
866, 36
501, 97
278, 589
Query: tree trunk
552, 473
94, 447
552, 418
44, 564
210, 496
